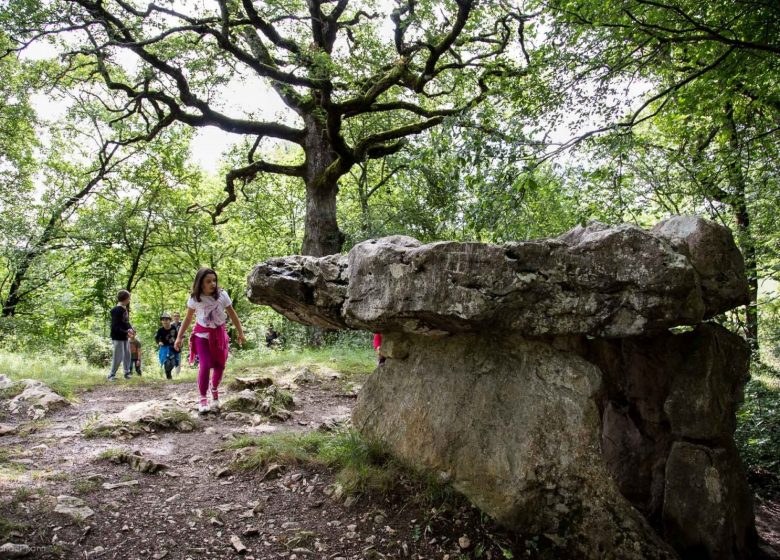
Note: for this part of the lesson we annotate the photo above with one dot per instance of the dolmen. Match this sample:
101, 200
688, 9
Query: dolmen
573, 388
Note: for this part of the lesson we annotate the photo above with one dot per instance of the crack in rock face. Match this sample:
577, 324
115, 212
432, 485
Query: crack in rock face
541, 378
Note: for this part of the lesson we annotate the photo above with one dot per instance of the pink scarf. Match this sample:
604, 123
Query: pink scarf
218, 343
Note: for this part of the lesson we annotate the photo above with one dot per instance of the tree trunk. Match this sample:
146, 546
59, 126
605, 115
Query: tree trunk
751, 270
321, 235
738, 201
14, 294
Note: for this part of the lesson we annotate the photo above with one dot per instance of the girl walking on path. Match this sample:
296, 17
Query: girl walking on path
211, 307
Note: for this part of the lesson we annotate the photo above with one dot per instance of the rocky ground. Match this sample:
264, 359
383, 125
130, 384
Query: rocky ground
59, 499
197, 507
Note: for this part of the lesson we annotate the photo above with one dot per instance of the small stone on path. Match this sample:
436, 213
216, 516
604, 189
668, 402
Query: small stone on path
112, 485
6, 430
237, 544
75, 507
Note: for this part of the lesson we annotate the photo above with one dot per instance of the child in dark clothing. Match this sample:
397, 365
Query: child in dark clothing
135, 352
165, 338
120, 326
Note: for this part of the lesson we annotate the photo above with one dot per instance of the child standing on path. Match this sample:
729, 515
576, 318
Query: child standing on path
209, 341
165, 338
135, 352
176, 323
120, 326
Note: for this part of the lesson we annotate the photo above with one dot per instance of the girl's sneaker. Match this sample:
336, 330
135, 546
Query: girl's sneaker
203, 407
215, 405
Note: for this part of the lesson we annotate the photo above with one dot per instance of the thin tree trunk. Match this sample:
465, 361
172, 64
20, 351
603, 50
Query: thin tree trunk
14, 298
738, 201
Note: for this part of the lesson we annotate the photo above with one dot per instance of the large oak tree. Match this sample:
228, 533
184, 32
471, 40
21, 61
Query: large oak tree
357, 82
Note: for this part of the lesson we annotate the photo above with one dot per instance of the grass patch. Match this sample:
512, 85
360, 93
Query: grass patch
110, 454
93, 428
758, 429
12, 391
67, 378
360, 466
174, 417
9, 469
85, 486
63, 377
286, 449
9, 527
21, 495
347, 361
301, 539
32, 427
57, 476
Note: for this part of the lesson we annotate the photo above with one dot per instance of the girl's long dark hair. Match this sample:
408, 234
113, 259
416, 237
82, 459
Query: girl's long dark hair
197, 285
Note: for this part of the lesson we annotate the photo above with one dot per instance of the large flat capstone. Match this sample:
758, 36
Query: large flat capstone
601, 281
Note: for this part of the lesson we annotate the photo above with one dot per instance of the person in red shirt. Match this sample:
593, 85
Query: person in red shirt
380, 359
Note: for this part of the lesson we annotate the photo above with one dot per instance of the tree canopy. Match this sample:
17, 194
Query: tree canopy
357, 80
468, 119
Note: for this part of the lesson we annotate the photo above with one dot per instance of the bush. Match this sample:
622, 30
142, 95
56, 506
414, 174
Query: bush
758, 429
91, 348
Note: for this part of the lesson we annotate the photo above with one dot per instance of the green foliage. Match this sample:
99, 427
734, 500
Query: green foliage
758, 430
89, 347
62, 376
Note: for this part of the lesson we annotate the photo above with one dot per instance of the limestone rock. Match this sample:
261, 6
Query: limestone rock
253, 382
144, 416
708, 511
517, 434
138, 462
149, 412
74, 507
309, 290
244, 401
7, 429
715, 257
115, 485
541, 380
36, 400
6, 382
602, 281
661, 392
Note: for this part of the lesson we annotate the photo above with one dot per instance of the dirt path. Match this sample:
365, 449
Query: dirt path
195, 509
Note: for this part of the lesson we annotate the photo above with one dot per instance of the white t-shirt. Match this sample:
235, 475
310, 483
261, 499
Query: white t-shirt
210, 312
